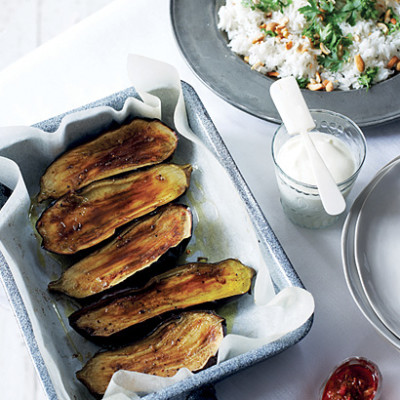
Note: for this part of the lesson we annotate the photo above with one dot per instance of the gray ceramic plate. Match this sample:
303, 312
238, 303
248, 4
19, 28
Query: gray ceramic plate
351, 272
377, 248
205, 48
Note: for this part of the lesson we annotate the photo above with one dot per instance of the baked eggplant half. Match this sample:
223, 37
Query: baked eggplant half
137, 144
82, 219
157, 238
190, 340
180, 288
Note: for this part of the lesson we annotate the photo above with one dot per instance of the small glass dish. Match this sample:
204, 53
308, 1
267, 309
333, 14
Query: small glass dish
301, 201
355, 378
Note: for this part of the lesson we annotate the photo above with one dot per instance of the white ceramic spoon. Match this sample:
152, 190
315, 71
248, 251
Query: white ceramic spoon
296, 116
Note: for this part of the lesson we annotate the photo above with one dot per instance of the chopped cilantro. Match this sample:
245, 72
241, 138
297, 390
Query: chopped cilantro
365, 79
302, 82
268, 33
324, 17
267, 5
394, 23
338, 46
363, 8
311, 11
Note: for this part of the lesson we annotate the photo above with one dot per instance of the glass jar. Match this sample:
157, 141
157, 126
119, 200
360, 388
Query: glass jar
301, 201
354, 378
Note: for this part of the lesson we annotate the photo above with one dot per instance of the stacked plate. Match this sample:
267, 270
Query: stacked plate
371, 251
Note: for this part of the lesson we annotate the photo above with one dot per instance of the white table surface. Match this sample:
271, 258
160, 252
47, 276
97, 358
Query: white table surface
89, 62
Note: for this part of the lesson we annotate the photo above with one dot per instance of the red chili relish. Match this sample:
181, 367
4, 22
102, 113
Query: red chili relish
355, 379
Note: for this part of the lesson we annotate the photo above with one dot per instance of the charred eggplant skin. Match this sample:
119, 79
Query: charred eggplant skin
181, 288
190, 340
136, 144
79, 220
140, 246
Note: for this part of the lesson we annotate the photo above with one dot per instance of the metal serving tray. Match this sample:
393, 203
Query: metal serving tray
281, 271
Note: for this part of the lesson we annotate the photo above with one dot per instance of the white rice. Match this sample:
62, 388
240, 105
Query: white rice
242, 25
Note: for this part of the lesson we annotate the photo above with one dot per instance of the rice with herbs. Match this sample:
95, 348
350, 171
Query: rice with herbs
324, 44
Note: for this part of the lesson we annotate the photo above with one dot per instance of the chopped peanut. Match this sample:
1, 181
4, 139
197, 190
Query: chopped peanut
393, 62
359, 63
383, 27
301, 49
258, 39
388, 15
273, 73
271, 26
257, 65
289, 45
324, 49
340, 51
315, 86
329, 86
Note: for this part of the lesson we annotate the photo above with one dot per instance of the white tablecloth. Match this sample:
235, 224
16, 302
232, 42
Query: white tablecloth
89, 62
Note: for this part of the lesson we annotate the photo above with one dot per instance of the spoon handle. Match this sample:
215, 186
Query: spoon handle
331, 197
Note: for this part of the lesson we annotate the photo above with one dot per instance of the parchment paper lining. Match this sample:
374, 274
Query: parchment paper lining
222, 229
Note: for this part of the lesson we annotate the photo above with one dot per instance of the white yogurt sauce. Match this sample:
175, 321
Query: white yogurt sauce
293, 159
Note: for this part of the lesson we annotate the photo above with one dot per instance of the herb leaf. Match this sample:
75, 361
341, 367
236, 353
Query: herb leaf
365, 79
302, 82
363, 8
310, 11
324, 17
394, 23
267, 5
268, 33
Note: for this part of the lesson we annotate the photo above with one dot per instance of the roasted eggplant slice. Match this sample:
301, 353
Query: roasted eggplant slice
137, 144
180, 288
140, 246
79, 220
190, 341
